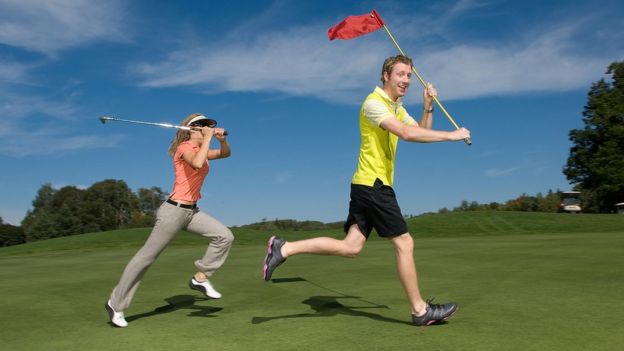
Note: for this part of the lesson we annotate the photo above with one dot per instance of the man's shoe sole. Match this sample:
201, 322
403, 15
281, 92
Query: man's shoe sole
452, 313
445, 319
269, 252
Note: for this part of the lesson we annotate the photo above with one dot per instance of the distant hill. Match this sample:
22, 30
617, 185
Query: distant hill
291, 224
480, 223
453, 224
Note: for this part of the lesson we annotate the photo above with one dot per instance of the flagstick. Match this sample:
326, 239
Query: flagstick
422, 81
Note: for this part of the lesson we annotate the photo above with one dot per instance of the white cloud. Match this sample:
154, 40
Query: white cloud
12, 72
47, 26
301, 61
20, 106
543, 64
50, 25
462, 6
49, 135
40, 143
498, 172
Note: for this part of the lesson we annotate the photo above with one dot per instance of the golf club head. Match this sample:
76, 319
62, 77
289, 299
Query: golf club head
103, 119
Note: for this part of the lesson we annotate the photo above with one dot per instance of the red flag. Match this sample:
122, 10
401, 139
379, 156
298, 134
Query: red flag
354, 26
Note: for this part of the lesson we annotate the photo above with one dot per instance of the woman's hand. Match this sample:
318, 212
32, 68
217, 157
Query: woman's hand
219, 133
207, 132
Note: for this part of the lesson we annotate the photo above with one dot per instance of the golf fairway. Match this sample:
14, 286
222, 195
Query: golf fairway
538, 291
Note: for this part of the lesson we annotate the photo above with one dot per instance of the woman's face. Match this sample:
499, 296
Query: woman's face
196, 134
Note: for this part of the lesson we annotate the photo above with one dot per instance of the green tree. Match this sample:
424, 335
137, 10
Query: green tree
44, 197
522, 203
39, 225
67, 206
10, 234
150, 199
596, 161
148, 202
103, 206
551, 201
55, 213
38, 222
108, 204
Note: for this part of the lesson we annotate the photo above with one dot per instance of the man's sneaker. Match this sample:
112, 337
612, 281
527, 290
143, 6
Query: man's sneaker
117, 318
273, 258
436, 313
204, 287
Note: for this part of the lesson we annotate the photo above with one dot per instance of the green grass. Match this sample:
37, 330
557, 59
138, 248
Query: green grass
523, 281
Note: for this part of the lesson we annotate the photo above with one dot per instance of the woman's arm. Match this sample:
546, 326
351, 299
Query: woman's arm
198, 159
224, 151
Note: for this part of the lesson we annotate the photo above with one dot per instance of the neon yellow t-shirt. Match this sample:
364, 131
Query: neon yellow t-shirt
377, 145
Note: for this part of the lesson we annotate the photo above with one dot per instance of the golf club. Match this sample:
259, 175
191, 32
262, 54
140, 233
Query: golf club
211, 123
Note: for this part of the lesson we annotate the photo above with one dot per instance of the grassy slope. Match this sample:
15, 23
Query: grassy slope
505, 223
555, 289
457, 224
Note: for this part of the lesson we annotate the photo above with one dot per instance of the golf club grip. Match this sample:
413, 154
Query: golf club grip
468, 141
225, 132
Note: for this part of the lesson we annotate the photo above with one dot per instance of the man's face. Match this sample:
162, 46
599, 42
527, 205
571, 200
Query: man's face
398, 80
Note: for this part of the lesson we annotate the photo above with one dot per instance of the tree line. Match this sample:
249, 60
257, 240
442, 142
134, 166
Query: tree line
10, 234
106, 205
291, 225
524, 203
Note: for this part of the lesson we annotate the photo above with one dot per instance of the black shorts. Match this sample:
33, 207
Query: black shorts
375, 207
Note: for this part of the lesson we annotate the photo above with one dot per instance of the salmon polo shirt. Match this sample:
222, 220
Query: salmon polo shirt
188, 180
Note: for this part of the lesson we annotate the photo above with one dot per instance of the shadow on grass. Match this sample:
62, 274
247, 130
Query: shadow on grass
328, 306
178, 302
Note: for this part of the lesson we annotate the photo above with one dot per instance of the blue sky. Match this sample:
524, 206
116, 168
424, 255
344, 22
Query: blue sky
516, 73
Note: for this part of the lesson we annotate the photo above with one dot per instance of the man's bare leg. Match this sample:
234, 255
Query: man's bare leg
350, 246
404, 251
279, 249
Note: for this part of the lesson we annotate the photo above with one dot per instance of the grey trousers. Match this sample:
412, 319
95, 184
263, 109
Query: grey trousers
169, 220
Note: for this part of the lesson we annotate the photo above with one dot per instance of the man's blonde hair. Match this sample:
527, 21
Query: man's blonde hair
389, 63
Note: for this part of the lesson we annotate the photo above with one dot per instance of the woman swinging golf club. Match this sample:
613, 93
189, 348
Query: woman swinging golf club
190, 151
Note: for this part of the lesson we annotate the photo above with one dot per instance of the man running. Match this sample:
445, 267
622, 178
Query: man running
383, 120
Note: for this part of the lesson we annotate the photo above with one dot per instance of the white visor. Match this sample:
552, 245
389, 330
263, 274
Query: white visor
195, 119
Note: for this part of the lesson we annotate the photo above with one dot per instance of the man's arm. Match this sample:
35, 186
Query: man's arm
422, 135
426, 120
422, 132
